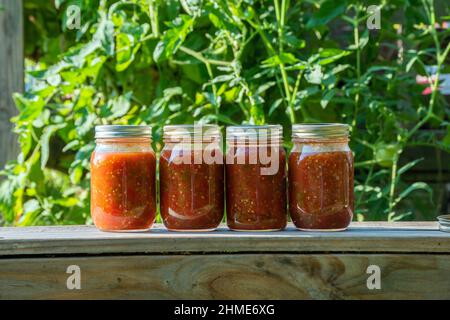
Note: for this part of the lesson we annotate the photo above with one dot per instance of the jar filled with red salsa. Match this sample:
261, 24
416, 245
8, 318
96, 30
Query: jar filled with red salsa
256, 178
192, 178
123, 179
321, 177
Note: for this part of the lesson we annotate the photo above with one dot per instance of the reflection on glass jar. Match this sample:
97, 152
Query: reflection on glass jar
192, 178
321, 177
123, 173
256, 178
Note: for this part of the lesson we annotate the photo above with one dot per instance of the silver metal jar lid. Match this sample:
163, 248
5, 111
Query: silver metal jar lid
320, 131
203, 131
444, 222
122, 131
270, 132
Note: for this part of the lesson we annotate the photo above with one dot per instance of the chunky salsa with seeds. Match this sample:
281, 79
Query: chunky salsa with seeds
123, 195
255, 201
321, 190
192, 195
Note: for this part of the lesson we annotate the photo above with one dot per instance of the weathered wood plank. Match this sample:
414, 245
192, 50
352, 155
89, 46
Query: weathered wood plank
367, 237
240, 276
11, 77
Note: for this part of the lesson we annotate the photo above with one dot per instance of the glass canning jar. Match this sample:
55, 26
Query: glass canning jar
256, 178
192, 178
123, 178
321, 177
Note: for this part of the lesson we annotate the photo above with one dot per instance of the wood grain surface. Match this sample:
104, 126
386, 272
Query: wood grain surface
11, 75
422, 237
414, 261
239, 276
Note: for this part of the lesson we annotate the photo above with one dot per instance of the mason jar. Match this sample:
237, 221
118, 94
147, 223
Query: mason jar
321, 177
256, 178
123, 178
192, 178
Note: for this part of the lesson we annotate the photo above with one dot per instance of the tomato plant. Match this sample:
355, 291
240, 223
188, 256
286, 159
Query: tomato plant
239, 61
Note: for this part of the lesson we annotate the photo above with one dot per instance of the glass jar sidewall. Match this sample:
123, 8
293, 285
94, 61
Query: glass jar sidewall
104, 217
301, 151
319, 147
120, 145
183, 206
206, 153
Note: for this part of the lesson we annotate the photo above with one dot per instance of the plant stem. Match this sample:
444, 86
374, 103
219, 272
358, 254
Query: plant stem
434, 92
272, 51
358, 66
364, 163
294, 94
207, 64
153, 12
281, 17
202, 58
393, 185
366, 182
440, 58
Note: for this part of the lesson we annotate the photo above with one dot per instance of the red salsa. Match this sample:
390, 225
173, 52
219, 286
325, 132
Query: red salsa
255, 201
191, 178
123, 193
321, 190
192, 195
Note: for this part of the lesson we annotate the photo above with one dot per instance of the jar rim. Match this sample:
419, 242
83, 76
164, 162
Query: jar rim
320, 131
123, 131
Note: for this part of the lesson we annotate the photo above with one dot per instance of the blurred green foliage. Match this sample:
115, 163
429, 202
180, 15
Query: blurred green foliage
159, 62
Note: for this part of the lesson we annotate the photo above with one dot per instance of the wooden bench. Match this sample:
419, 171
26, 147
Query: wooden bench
413, 260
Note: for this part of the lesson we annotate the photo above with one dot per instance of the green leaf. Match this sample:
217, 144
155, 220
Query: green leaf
51, 71
85, 123
415, 186
192, 7
294, 42
31, 206
169, 93
408, 166
446, 140
411, 62
31, 210
275, 106
330, 55
128, 45
327, 97
210, 118
76, 173
7, 199
173, 38
105, 35
45, 142
307, 92
363, 40
116, 107
339, 68
30, 107
394, 216
265, 87
314, 75
77, 55
285, 58
219, 79
66, 202
71, 145
328, 10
